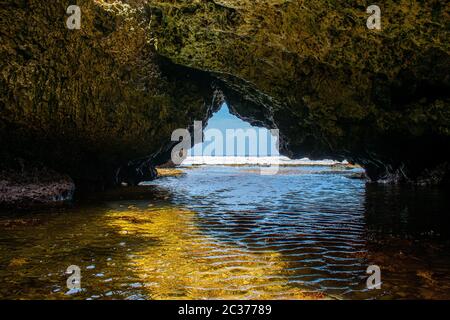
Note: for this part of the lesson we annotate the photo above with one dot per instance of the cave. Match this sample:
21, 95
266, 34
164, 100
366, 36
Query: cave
105, 116
90, 99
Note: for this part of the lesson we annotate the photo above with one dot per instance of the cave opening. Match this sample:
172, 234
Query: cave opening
227, 137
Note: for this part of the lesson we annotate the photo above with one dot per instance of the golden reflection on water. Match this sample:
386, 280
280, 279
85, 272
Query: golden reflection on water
186, 264
294, 240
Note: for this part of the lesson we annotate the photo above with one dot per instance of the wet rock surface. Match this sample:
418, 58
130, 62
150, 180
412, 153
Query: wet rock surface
31, 187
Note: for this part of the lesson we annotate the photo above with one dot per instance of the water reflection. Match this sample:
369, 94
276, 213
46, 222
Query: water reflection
224, 232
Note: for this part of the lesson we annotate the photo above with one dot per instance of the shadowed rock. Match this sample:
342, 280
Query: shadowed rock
31, 186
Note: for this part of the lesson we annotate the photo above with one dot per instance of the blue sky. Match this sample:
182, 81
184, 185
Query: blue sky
223, 120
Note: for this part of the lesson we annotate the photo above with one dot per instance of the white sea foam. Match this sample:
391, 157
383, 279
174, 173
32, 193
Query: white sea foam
242, 160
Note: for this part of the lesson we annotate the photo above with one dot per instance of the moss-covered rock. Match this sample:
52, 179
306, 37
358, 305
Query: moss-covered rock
332, 86
87, 102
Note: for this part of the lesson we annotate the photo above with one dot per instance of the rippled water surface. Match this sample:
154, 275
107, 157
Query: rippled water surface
229, 232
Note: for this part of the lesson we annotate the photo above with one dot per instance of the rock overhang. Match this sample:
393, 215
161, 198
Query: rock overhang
313, 70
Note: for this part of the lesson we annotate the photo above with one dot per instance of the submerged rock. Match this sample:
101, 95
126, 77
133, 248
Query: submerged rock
88, 102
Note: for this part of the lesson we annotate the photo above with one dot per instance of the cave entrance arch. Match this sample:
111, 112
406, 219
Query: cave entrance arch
230, 140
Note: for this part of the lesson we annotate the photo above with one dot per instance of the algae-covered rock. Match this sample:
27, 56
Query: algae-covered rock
333, 87
88, 102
